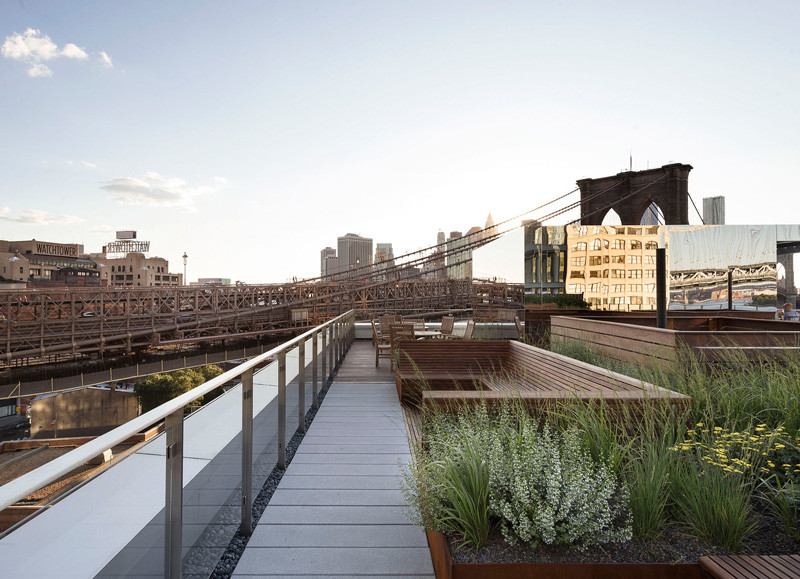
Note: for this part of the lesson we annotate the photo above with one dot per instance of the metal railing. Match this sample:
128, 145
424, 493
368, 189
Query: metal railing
335, 334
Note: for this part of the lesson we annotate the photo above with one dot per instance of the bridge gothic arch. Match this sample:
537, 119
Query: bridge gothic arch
630, 194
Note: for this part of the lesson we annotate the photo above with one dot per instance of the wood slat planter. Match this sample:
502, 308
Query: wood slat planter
537, 320
445, 568
630, 341
442, 373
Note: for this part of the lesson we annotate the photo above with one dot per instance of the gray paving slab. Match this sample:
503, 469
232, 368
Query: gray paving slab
329, 481
350, 561
338, 497
355, 458
337, 469
368, 448
317, 439
337, 536
328, 515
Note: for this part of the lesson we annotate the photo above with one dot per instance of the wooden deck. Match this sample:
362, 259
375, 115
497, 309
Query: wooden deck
338, 510
752, 567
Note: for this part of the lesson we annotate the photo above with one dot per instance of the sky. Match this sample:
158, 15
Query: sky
251, 134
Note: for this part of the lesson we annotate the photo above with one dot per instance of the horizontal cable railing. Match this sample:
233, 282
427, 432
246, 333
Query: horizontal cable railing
335, 336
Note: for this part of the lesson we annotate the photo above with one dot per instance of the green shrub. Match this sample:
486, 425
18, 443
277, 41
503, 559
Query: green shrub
648, 481
785, 503
715, 505
482, 467
448, 487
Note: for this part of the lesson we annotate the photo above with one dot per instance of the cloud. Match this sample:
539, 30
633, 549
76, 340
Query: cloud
88, 164
34, 49
35, 217
72, 51
154, 190
105, 59
39, 70
221, 180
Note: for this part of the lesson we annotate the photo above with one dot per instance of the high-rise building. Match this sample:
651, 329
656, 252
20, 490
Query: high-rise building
456, 260
354, 251
384, 252
384, 259
328, 262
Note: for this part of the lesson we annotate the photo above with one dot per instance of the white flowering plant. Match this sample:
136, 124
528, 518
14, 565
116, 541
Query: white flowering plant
545, 488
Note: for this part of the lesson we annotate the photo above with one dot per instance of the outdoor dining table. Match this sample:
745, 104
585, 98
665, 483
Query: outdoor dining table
427, 333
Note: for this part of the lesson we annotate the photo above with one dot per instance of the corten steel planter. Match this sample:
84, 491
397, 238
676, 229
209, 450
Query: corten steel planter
445, 568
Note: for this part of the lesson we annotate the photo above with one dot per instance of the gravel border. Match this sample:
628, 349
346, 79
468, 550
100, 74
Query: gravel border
230, 558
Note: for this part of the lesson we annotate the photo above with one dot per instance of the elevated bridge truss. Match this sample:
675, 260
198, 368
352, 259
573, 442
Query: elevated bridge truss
44, 326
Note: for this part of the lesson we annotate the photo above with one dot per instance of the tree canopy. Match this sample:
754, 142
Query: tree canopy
157, 389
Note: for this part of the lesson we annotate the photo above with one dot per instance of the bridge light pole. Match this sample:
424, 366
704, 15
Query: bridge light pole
185, 257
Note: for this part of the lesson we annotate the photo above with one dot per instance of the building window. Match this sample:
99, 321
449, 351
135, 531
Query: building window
579, 261
651, 245
580, 246
636, 244
634, 258
596, 244
617, 273
617, 259
618, 244
649, 273
634, 273
618, 288
595, 273
574, 274
634, 287
595, 260
651, 259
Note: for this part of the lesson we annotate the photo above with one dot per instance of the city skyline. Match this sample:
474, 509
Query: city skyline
220, 130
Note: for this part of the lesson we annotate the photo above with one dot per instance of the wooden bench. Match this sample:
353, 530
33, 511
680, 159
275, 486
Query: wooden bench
439, 373
752, 567
445, 364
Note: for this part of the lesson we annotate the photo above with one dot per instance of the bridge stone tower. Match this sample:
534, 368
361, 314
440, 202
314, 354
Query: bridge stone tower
669, 190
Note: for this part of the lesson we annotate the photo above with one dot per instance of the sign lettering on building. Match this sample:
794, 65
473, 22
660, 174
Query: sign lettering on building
56, 249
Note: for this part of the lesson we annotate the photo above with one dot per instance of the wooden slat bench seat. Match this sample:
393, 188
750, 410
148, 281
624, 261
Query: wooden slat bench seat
752, 567
508, 369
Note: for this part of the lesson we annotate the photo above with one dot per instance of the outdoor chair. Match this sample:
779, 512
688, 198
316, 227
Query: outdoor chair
402, 331
447, 326
383, 348
470, 330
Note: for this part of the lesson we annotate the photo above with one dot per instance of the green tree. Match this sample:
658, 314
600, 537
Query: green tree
157, 389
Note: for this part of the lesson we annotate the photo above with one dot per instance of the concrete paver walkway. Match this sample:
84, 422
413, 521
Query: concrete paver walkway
338, 511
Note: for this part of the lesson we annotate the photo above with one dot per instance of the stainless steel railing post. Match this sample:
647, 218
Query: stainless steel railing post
173, 507
324, 353
246, 525
330, 352
301, 386
282, 409
314, 374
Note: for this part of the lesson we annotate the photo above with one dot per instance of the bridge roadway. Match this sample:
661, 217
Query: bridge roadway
52, 325
338, 510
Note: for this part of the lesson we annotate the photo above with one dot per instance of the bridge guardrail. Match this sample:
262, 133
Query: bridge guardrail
335, 335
